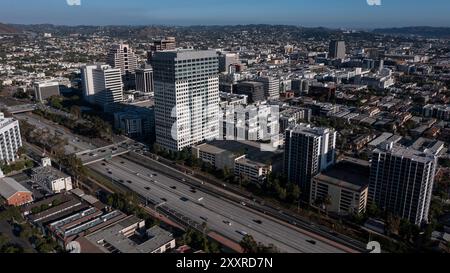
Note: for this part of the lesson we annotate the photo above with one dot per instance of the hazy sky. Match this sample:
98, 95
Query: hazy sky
328, 13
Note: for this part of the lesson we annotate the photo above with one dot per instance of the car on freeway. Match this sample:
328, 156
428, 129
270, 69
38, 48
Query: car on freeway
258, 222
243, 233
173, 188
129, 182
164, 199
228, 223
311, 242
147, 188
184, 199
204, 218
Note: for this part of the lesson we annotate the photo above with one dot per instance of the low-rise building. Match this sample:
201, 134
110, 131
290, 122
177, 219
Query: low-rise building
14, 193
345, 185
216, 156
250, 170
51, 179
45, 90
129, 236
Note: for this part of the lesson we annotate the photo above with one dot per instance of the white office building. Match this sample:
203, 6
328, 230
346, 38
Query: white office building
102, 84
10, 139
46, 89
87, 82
186, 97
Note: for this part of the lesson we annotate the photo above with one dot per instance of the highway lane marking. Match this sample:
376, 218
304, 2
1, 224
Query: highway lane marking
210, 209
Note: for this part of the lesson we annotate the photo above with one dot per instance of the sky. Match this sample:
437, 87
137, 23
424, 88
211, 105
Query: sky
309, 13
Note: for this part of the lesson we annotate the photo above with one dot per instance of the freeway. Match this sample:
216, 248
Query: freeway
227, 218
222, 212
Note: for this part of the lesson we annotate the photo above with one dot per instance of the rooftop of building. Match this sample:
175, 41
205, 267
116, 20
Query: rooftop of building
399, 150
139, 242
308, 130
184, 54
6, 121
254, 164
9, 187
252, 149
428, 145
350, 173
210, 149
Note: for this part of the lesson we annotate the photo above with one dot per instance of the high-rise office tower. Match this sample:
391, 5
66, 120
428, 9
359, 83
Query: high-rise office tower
254, 91
168, 43
271, 87
186, 97
46, 89
337, 50
144, 80
401, 181
87, 82
102, 85
308, 150
108, 85
10, 139
226, 60
121, 56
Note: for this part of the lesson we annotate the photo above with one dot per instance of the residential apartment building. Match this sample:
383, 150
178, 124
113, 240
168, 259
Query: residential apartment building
308, 151
401, 181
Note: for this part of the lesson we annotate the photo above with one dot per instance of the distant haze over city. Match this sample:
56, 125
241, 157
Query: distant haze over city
326, 13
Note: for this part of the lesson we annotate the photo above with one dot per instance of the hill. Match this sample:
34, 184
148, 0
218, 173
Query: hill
6, 29
427, 32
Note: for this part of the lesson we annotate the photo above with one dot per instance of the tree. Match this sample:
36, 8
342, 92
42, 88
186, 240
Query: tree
293, 191
248, 244
75, 111
55, 102
392, 224
21, 151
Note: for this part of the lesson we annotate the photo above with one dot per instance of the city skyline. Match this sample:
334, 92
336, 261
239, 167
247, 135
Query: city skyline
324, 13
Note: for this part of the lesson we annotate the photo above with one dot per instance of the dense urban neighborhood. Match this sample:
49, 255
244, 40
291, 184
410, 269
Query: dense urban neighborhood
223, 139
